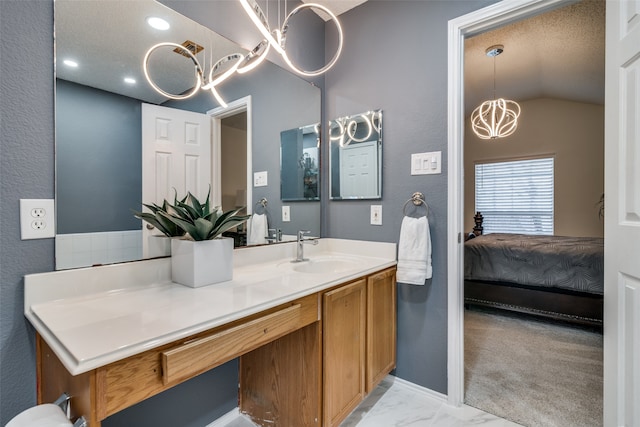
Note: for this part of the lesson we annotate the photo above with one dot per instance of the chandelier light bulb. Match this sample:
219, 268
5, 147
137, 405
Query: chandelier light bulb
495, 118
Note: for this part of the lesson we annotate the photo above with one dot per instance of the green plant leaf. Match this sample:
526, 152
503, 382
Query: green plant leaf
228, 224
185, 225
203, 229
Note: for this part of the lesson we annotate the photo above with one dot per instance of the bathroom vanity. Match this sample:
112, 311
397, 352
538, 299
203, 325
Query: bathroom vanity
313, 338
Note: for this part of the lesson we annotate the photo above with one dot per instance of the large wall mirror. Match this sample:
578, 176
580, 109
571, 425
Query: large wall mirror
355, 158
99, 128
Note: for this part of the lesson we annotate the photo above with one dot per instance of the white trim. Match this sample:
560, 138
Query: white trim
226, 418
474, 23
417, 388
217, 114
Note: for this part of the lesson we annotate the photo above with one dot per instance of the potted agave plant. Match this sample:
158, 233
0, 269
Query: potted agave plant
201, 256
160, 245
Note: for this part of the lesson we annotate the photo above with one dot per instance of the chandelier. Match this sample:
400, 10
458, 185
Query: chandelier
496, 118
239, 63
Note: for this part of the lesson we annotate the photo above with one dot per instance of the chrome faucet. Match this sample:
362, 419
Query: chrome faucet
300, 247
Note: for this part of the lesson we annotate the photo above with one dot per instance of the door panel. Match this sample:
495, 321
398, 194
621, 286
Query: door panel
176, 154
622, 216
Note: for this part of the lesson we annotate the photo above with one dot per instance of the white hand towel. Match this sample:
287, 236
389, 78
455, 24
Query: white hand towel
257, 229
414, 251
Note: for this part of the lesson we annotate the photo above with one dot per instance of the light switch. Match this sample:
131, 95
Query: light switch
376, 214
260, 179
286, 214
426, 163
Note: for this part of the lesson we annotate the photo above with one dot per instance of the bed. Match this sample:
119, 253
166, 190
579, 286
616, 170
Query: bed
550, 276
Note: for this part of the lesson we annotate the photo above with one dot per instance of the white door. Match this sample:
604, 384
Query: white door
622, 216
176, 154
359, 170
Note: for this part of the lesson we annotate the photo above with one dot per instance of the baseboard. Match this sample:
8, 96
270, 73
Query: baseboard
417, 388
226, 418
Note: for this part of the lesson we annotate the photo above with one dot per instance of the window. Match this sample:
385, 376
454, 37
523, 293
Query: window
516, 196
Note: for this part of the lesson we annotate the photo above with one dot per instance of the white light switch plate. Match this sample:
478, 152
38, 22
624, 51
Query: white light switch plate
376, 214
426, 163
37, 219
260, 179
286, 214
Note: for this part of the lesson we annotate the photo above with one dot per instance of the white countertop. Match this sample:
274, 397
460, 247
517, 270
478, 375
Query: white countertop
94, 316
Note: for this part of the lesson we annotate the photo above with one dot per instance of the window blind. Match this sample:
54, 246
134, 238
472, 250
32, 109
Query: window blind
516, 196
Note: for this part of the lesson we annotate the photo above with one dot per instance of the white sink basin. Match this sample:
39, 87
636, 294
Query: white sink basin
324, 265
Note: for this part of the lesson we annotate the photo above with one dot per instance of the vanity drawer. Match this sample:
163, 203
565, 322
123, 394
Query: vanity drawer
132, 380
201, 354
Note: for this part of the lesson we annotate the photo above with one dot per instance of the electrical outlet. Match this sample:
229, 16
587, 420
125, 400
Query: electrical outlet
37, 219
376, 214
286, 214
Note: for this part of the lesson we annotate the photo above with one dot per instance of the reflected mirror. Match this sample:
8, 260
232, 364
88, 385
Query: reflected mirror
355, 158
99, 128
299, 163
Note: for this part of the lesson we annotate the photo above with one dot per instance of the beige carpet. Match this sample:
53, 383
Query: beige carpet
534, 373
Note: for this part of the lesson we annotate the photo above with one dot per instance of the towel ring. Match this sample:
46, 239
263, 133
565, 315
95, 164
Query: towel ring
262, 202
417, 199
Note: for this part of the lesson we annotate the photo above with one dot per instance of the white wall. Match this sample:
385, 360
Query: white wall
573, 133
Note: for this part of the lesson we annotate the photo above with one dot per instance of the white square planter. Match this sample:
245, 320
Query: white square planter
203, 263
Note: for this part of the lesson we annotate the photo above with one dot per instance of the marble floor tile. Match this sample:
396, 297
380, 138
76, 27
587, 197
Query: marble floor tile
397, 404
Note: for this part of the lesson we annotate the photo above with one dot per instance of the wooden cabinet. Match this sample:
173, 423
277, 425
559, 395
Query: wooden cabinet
111, 388
381, 326
359, 341
344, 326
301, 364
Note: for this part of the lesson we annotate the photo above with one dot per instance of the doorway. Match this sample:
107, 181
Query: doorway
231, 135
469, 25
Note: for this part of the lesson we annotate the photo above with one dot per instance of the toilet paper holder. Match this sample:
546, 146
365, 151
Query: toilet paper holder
41, 415
64, 402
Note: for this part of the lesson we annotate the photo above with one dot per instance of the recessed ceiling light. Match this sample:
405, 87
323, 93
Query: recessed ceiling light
130, 80
70, 63
158, 23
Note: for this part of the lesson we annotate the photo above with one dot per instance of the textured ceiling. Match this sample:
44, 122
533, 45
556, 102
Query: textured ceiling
559, 54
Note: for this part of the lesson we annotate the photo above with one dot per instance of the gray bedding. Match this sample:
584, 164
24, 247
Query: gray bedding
574, 263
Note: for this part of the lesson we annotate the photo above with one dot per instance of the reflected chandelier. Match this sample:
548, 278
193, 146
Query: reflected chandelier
347, 127
496, 118
242, 63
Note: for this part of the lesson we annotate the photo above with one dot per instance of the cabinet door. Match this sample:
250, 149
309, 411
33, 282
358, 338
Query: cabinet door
381, 326
344, 317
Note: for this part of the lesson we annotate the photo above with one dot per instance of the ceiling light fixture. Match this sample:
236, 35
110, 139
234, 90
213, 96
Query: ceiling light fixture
278, 37
70, 63
158, 23
241, 63
495, 118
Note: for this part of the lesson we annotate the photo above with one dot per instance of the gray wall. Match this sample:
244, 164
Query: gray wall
405, 74
99, 174
26, 162
395, 59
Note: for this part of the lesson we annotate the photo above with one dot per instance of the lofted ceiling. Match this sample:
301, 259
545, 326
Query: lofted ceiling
559, 54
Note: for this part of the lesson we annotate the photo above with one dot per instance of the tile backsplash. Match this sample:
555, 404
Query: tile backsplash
87, 249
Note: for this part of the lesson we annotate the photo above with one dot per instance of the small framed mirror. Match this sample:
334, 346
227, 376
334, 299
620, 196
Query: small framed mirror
355, 158
299, 163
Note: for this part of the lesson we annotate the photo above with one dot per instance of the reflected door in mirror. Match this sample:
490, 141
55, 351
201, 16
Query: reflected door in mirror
355, 158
